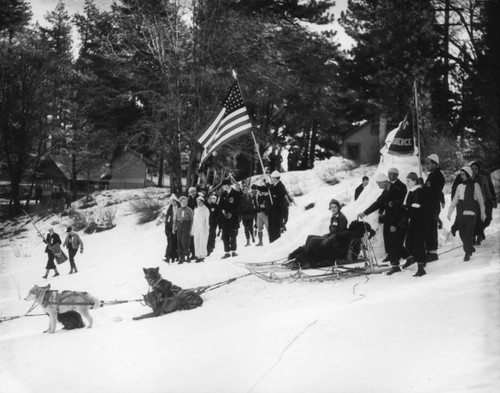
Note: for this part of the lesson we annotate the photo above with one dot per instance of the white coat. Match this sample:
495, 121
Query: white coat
200, 230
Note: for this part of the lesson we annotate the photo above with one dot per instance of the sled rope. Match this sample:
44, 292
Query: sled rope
200, 290
27, 314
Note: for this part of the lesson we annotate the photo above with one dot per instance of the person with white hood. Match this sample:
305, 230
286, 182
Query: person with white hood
200, 229
466, 200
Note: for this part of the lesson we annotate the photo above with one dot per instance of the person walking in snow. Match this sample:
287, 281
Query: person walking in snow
171, 250
51, 240
73, 242
182, 227
483, 178
248, 214
390, 202
201, 229
466, 200
229, 205
433, 188
415, 204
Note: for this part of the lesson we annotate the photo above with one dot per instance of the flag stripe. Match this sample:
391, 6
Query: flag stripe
229, 136
212, 128
231, 122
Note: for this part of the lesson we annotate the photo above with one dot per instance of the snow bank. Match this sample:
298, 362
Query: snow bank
381, 333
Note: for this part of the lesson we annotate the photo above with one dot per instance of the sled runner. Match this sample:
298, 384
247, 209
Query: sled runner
358, 258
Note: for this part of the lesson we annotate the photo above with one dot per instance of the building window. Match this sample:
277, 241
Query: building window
353, 151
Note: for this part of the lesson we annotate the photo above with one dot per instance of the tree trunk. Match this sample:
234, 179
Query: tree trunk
160, 171
74, 174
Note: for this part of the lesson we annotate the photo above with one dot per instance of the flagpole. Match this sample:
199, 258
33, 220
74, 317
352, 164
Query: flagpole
251, 131
418, 128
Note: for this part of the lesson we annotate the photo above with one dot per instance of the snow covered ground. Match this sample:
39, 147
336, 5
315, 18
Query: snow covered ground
437, 333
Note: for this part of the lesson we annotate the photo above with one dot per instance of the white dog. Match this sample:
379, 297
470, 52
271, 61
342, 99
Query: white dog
55, 302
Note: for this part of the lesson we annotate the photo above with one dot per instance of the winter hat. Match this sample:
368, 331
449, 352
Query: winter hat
393, 170
412, 176
335, 202
468, 170
276, 174
200, 198
476, 163
381, 177
173, 198
434, 157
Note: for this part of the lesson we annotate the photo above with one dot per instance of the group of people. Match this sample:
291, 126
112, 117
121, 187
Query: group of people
193, 222
410, 213
73, 243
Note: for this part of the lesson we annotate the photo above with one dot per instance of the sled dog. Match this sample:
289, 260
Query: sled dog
55, 302
165, 297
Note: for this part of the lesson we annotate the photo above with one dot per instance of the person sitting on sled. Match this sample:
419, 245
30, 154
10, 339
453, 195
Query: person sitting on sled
338, 223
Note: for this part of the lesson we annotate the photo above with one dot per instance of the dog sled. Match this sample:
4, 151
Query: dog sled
163, 297
357, 259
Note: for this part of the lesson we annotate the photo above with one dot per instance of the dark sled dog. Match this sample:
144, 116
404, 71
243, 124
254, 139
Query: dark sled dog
164, 297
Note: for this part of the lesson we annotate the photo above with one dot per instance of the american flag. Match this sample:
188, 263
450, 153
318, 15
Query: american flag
231, 122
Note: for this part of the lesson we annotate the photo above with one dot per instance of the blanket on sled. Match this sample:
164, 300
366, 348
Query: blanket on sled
320, 251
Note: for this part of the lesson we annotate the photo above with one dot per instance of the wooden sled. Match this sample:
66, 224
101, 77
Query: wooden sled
360, 260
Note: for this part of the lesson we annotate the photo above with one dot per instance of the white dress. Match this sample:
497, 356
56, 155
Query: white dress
200, 231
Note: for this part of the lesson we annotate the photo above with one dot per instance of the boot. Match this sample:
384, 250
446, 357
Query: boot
260, 239
431, 257
421, 271
410, 261
386, 259
71, 271
56, 274
234, 254
467, 258
181, 260
394, 269
46, 275
253, 238
248, 242
226, 255
76, 270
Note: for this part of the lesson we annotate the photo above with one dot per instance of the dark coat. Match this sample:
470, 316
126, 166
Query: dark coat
229, 205
390, 202
433, 188
51, 240
247, 206
215, 215
169, 220
338, 223
325, 251
359, 189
